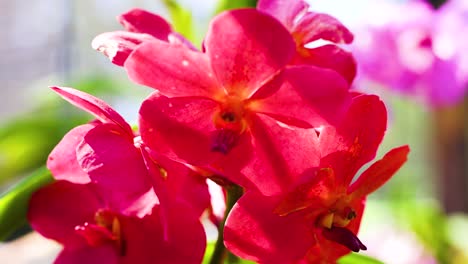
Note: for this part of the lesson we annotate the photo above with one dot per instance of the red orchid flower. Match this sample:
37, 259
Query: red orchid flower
210, 106
108, 153
307, 27
317, 219
77, 216
141, 26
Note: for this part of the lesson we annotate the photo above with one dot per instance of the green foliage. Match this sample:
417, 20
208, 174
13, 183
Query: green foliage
425, 219
181, 19
208, 252
210, 247
27, 140
354, 258
14, 203
229, 4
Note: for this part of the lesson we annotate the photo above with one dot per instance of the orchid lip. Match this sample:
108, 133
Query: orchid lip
344, 237
107, 228
224, 140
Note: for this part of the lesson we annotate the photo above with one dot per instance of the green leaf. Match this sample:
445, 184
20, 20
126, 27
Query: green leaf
181, 18
208, 252
354, 258
14, 202
229, 4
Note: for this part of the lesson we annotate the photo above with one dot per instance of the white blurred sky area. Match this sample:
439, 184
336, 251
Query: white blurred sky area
350, 12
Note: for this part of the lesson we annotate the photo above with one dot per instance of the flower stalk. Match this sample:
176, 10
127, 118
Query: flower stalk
220, 253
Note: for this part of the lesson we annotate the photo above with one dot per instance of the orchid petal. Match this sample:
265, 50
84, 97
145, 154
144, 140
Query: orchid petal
312, 94
92, 255
253, 50
330, 57
315, 26
174, 70
314, 193
141, 21
286, 11
116, 166
173, 181
118, 45
379, 172
62, 161
47, 206
277, 162
185, 243
254, 232
354, 142
180, 125
186, 184
94, 106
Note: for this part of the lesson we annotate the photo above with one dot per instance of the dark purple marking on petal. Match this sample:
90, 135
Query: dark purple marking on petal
224, 140
344, 237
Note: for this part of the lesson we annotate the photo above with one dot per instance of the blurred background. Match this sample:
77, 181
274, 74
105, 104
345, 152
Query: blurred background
412, 53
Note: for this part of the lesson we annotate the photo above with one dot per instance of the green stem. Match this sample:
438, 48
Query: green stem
220, 253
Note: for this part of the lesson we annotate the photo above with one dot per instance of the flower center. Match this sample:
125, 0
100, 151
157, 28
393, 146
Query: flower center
344, 237
105, 229
230, 124
334, 224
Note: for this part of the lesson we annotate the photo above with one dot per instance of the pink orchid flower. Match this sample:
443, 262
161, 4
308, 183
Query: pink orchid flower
317, 219
108, 153
422, 55
78, 217
221, 109
307, 27
141, 26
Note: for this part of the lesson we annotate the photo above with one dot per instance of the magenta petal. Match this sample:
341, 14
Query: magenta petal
331, 57
116, 166
141, 21
255, 233
118, 45
255, 48
173, 182
93, 105
379, 172
180, 126
355, 141
92, 255
174, 70
316, 95
277, 163
186, 185
146, 244
62, 161
285, 11
56, 209
187, 238
315, 26
177, 39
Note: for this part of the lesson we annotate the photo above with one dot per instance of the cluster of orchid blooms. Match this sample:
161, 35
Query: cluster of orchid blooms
422, 55
254, 110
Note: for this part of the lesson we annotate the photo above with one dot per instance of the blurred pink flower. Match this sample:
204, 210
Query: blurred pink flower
422, 54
